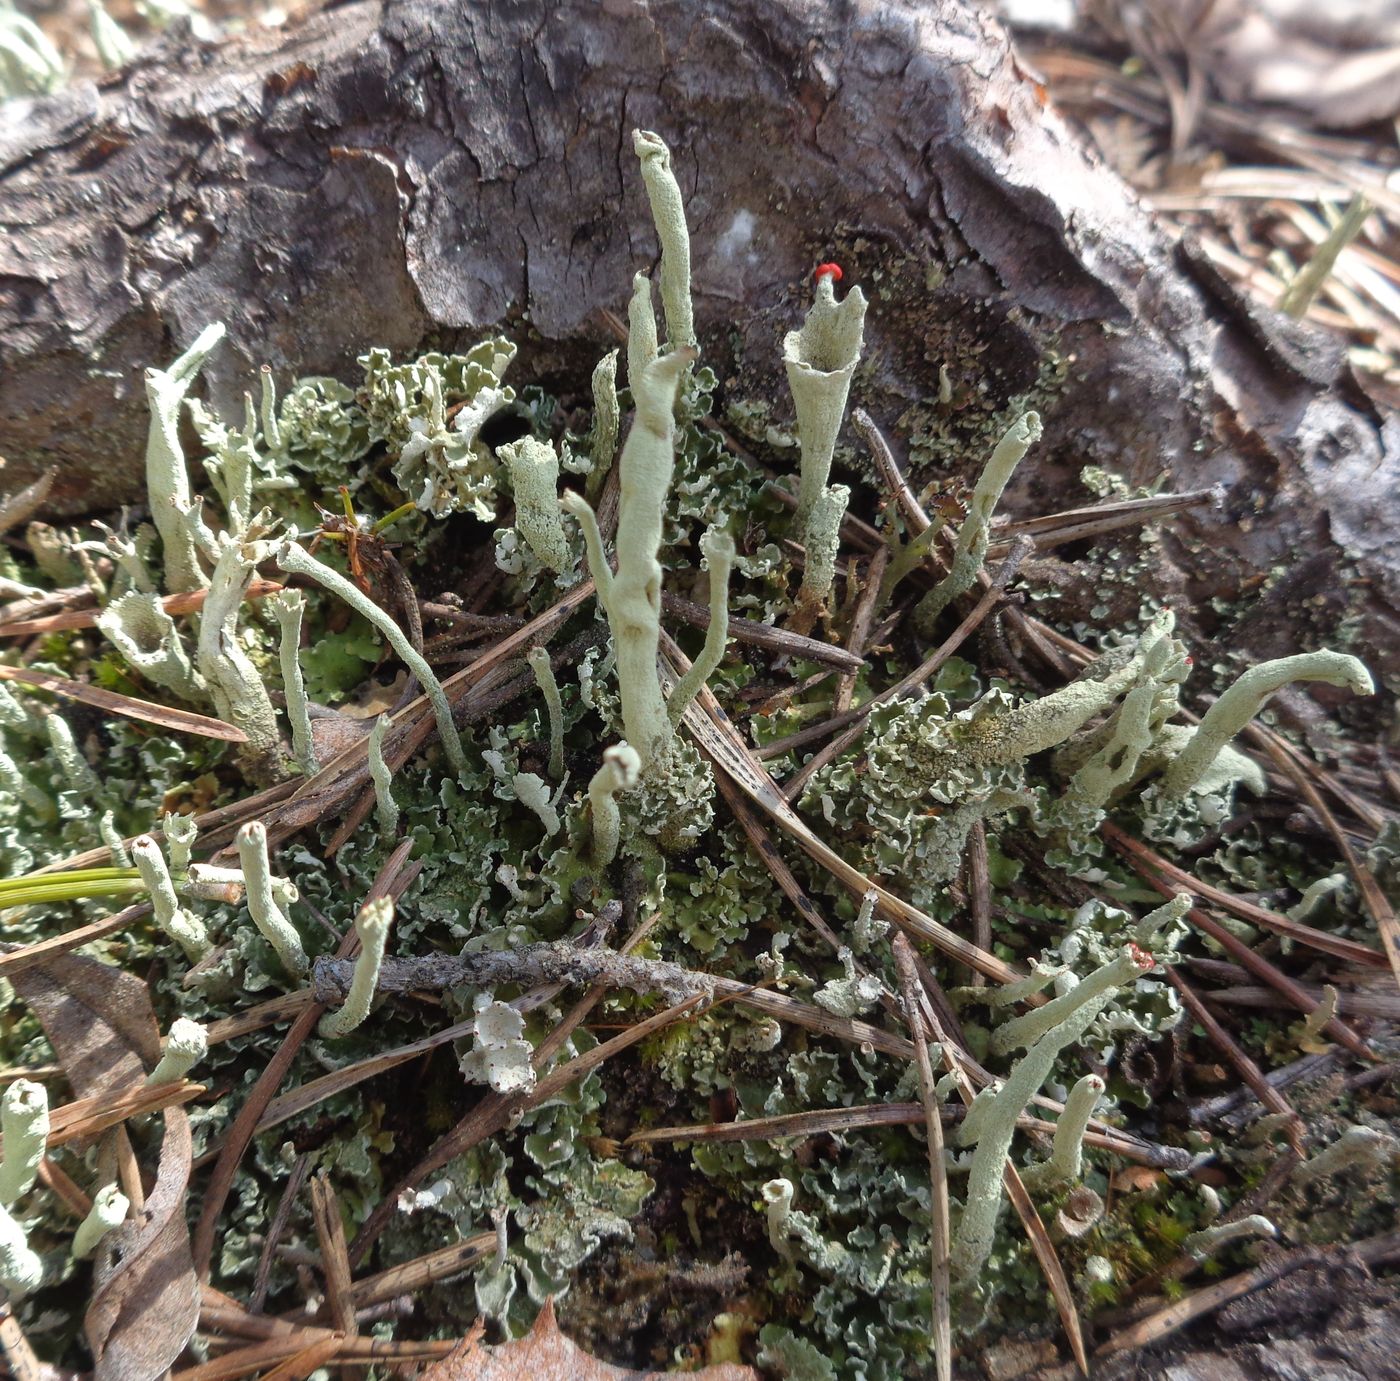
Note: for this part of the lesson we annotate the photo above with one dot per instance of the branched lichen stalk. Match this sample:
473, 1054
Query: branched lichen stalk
240, 695
268, 916
668, 212
289, 606
974, 535
538, 659
167, 481
631, 597
385, 807
1245, 698
24, 1118
372, 926
976, 1229
295, 560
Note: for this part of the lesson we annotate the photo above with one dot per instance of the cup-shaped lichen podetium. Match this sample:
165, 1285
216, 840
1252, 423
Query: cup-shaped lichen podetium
820, 360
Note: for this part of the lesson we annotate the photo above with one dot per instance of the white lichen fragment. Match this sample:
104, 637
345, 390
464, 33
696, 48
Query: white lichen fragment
137, 625
184, 927
268, 916
21, 1270
109, 1209
619, 772
534, 479
24, 1118
175, 513
974, 535
501, 1056
186, 1044
1210, 1240
289, 606
372, 926
852, 994
386, 809
668, 212
538, 658
1245, 698
295, 560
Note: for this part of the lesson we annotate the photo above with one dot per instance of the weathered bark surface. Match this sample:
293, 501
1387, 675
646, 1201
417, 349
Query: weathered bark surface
414, 170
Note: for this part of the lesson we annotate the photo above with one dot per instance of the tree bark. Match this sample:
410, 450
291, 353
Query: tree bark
423, 171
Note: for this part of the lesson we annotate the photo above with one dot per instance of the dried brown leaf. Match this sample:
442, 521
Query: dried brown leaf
97, 1018
145, 1301
545, 1354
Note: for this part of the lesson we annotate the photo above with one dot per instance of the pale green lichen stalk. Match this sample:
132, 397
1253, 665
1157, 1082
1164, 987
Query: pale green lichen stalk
109, 1209
717, 547
297, 561
619, 772
1051, 1028
631, 597
1210, 1240
137, 625
607, 423
24, 1118
1245, 698
668, 212
184, 927
240, 694
386, 808
974, 536
268, 916
372, 926
186, 1044
823, 541
534, 479
175, 513
538, 659
78, 776
288, 606
821, 360
21, 1270
1066, 1162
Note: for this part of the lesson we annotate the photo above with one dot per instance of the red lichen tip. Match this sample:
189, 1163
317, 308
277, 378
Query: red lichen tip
1190, 661
1142, 958
825, 270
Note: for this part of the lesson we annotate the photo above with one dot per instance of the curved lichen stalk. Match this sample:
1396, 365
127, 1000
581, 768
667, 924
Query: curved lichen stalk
1245, 698
974, 535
